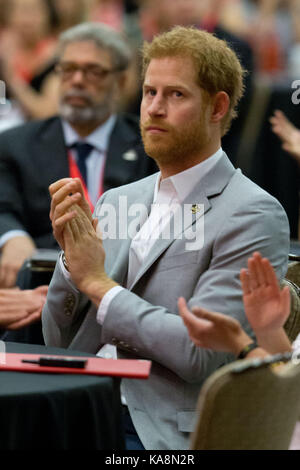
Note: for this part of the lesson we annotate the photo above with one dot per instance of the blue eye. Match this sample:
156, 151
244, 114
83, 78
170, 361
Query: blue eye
149, 92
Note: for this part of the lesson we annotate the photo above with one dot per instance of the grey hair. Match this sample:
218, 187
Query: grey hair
104, 37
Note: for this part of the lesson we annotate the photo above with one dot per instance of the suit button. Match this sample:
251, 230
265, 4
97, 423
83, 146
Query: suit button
69, 304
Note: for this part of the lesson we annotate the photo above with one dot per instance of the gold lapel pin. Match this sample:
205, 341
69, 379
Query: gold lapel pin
195, 208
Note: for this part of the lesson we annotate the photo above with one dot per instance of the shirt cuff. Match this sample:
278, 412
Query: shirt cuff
66, 273
105, 302
12, 234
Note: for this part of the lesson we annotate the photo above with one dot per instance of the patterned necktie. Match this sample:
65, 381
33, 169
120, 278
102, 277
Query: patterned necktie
83, 151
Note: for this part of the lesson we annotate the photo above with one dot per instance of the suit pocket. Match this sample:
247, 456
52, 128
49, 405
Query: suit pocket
186, 421
177, 261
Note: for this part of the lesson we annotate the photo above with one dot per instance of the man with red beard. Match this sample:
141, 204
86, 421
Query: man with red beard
199, 220
88, 139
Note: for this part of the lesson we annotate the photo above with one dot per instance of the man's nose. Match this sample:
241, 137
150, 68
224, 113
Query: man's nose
78, 77
157, 107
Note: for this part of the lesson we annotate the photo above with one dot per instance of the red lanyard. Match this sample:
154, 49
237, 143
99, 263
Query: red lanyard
75, 173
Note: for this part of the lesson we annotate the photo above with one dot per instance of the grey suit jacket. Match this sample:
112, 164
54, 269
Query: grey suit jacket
143, 322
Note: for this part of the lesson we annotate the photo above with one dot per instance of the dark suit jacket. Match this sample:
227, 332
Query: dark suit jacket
33, 156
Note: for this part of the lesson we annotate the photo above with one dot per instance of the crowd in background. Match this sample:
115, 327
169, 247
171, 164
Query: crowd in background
30, 28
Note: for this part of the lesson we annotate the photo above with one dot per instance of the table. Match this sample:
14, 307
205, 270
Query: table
58, 411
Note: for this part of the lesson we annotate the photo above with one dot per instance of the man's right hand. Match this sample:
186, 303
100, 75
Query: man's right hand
65, 193
14, 252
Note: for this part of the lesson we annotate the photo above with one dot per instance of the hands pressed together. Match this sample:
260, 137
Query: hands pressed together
75, 230
19, 308
267, 308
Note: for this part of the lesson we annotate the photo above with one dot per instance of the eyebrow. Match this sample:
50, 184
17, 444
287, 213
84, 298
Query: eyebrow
86, 64
168, 87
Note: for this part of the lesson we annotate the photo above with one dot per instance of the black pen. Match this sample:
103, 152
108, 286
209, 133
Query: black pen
58, 362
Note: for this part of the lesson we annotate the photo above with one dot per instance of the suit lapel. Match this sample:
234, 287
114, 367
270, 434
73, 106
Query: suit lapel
49, 151
194, 207
121, 150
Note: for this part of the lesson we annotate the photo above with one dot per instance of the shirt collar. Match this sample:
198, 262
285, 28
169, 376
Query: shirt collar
99, 138
185, 181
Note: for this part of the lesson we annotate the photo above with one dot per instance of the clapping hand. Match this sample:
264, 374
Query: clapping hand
213, 330
76, 232
288, 133
267, 307
65, 195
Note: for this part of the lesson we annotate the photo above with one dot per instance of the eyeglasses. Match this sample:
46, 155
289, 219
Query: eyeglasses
91, 72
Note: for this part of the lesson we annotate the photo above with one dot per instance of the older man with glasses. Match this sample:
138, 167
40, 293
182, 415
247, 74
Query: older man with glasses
88, 140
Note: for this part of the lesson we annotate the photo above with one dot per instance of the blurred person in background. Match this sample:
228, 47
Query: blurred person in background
276, 26
70, 13
289, 136
287, 133
122, 16
294, 52
110, 12
20, 308
27, 57
3, 4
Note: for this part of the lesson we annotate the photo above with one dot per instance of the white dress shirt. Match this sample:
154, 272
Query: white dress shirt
95, 162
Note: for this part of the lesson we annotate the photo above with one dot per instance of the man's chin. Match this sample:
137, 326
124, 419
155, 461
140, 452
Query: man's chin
159, 153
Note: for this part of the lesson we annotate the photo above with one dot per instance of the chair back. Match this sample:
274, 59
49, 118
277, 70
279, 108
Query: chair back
248, 405
292, 324
292, 280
